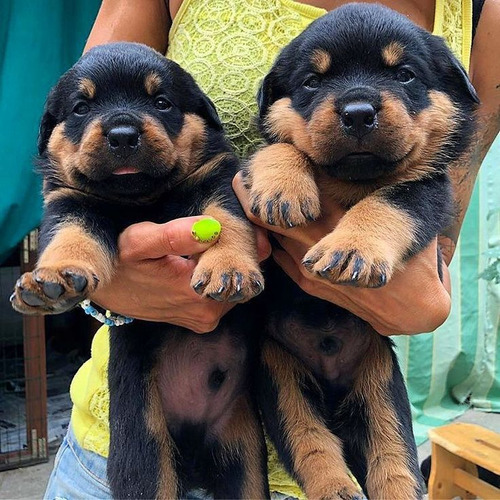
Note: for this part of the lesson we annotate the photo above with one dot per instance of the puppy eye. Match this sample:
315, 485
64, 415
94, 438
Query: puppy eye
82, 108
312, 82
162, 104
405, 75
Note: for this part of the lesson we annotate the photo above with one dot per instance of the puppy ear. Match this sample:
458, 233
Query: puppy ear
207, 110
47, 124
456, 78
269, 92
461, 75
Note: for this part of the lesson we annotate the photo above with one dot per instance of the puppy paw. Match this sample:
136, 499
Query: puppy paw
348, 493
339, 490
52, 290
226, 281
284, 209
282, 188
339, 262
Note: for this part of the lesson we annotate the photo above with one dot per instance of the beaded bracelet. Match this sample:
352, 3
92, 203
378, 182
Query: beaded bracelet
111, 320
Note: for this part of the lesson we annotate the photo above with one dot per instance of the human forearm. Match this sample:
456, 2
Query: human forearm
145, 21
414, 301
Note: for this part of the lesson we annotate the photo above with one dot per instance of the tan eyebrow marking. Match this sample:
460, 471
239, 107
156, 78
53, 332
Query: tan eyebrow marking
392, 53
87, 88
152, 83
321, 60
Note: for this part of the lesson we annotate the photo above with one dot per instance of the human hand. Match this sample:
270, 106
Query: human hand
414, 301
152, 280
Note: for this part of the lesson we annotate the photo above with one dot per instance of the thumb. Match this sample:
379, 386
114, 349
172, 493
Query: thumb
185, 236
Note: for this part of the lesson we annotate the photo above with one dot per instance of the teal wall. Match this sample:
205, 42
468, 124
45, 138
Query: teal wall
39, 40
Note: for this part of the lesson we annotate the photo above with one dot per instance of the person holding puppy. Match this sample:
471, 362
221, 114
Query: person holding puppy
228, 47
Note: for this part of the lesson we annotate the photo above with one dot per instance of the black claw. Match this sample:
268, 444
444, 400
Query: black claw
358, 266
336, 258
78, 281
31, 299
238, 294
198, 287
269, 212
51, 289
256, 283
306, 211
218, 294
285, 213
259, 286
382, 280
308, 263
255, 207
325, 272
238, 281
334, 262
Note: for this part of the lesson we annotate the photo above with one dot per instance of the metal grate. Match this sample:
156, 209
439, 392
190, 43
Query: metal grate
23, 391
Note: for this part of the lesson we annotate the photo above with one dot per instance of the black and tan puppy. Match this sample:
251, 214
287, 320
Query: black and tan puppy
128, 136
369, 110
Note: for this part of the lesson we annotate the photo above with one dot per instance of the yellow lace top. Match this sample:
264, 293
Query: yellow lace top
228, 46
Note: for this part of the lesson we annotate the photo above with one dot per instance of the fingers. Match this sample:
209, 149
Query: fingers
264, 248
148, 240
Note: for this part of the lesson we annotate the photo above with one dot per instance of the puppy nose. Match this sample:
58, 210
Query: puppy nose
123, 140
358, 118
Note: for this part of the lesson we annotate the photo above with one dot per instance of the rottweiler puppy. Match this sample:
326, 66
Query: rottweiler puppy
371, 111
127, 136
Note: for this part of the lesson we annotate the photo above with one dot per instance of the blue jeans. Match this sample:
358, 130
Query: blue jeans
77, 473
81, 474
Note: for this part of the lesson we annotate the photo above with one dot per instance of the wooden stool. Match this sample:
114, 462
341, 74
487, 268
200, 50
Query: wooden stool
457, 450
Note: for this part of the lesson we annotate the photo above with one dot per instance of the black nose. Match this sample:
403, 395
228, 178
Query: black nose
358, 118
123, 140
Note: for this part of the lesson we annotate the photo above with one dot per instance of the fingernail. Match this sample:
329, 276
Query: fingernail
206, 230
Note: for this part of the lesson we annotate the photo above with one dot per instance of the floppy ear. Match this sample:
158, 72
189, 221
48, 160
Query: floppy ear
461, 75
269, 92
49, 121
456, 79
207, 110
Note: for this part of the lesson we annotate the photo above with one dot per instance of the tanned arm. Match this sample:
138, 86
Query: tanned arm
143, 21
485, 76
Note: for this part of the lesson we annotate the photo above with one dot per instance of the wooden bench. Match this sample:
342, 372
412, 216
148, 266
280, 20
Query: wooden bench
457, 450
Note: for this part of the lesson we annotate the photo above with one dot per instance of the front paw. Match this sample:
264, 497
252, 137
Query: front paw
52, 290
350, 493
348, 264
284, 209
227, 282
282, 188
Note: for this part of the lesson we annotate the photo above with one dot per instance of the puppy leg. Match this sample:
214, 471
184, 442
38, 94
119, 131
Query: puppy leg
379, 232
242, 457
69, 269
311, 453
229, 269
375, 422
141, 461
282, 187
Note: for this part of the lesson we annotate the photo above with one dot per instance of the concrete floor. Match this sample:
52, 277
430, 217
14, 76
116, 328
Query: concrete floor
29, 482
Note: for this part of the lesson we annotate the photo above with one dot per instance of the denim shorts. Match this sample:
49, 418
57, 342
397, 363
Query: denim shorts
81, 474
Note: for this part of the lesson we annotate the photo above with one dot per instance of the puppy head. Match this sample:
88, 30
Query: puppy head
125, 121
364, 92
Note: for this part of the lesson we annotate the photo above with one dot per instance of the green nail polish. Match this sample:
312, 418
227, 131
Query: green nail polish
206, 230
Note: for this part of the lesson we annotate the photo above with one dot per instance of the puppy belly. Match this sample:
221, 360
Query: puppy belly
199, 378
330, 343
